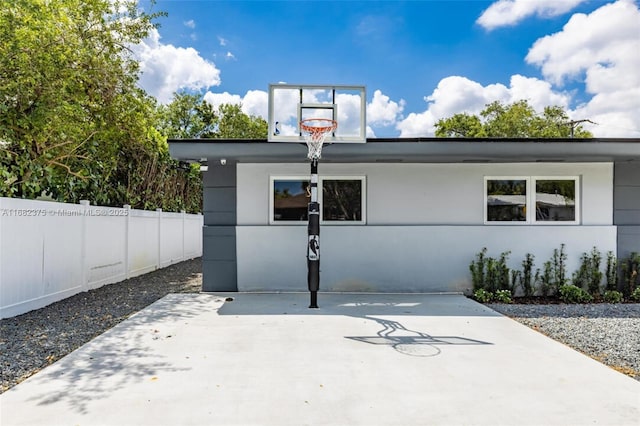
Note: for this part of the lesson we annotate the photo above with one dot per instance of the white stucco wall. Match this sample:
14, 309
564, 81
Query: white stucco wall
399, 258
424, 226
427, 194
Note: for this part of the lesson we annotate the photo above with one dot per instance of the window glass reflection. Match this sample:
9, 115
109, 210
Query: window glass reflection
556, 200
506, 200
290, 200
342, 200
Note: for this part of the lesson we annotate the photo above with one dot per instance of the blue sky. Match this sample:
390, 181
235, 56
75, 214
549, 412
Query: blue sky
420, 60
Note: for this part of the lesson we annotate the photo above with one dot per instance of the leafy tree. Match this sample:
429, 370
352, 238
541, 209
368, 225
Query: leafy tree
565, 188
461, 125
190, 116
69, 99
516, 120
73, 122
187, 116
232, 123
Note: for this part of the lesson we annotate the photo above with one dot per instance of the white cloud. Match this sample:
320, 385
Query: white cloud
510, 12
229, 56
538, 92
285, 110
348, 114
222, 41
190, 24
382, 111
459, 94
167, 69
607, 39
254, 102
453, 95
417, 124
217, 99
602, 50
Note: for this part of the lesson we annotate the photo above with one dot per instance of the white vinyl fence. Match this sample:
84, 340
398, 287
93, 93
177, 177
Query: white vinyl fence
50, 251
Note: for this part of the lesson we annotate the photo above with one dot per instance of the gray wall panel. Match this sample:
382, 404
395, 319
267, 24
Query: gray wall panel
220, 176
220, 248
219, 218
628, 173
219, 271
220, 275
212, 231
627, 217
626, 205
627, 197
219, 199
628, 240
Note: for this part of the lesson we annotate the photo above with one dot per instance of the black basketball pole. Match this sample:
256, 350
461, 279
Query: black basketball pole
313, 231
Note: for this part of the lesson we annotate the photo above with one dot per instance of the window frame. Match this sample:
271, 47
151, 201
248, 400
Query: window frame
272, 180
363, 199
527, 180
577, 203
530, 201
321, 179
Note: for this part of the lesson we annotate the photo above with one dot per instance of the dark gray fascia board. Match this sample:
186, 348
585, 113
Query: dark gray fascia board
413, 150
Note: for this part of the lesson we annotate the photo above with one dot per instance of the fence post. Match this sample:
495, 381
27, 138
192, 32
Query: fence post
184, 218
127, 238
159, 263
83, 248
200, 233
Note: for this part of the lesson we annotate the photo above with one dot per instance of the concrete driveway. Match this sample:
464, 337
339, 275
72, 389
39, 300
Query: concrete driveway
361, 359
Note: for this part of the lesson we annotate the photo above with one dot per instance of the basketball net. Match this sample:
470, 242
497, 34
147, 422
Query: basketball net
315, 130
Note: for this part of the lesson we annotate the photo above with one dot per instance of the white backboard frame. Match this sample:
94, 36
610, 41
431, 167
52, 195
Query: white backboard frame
290, 103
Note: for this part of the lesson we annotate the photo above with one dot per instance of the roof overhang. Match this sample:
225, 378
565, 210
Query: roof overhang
412, 150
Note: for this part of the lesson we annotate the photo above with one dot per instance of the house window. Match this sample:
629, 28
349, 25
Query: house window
506, 200
532, 200
289, 200
342, 200
556, 200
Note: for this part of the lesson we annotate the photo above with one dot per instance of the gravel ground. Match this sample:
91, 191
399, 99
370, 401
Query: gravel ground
609, 333
30, 342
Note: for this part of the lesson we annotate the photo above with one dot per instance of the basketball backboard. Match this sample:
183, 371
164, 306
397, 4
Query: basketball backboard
291, 103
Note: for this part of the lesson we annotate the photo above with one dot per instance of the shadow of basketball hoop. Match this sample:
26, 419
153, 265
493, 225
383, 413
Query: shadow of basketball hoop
411, 342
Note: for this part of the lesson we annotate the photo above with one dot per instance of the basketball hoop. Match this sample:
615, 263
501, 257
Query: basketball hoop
315, 130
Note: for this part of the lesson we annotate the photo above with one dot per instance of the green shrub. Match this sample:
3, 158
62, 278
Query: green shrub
589, 277
611, 273
503, 296
489, 273
635, 296
630, 268
612, 296
554, 275
559, 260
483, 296
477, 269
504, 273
569, 293
527, 281
546, 280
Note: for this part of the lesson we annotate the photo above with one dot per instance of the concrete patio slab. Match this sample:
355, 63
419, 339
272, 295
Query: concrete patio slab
361, 359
